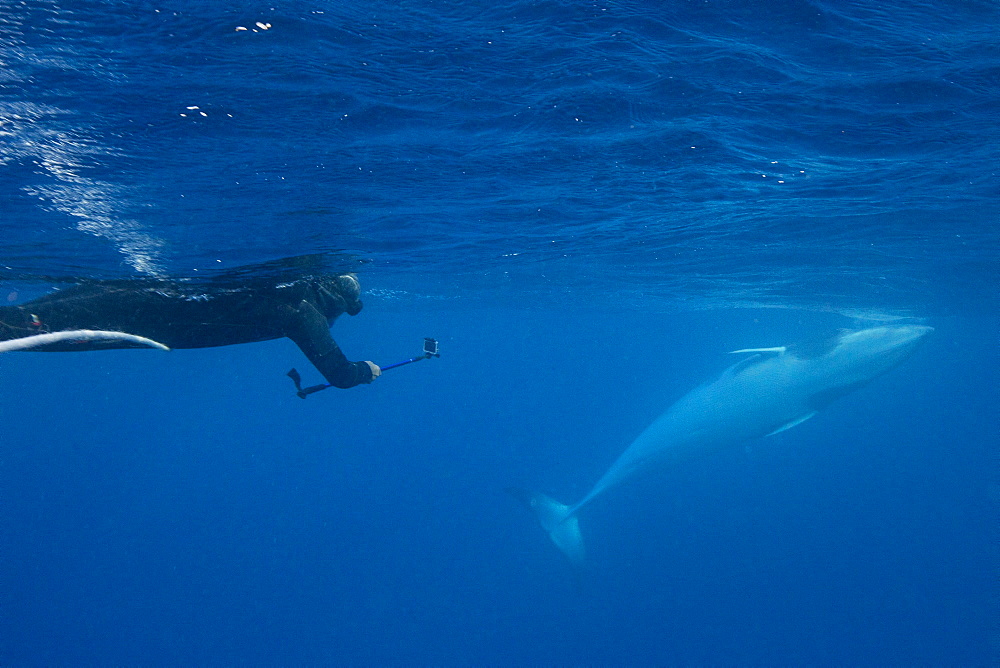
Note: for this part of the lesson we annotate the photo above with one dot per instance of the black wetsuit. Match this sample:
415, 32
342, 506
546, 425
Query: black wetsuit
184, 315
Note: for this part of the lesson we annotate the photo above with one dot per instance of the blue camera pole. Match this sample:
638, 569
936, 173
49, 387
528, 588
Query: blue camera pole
430, 350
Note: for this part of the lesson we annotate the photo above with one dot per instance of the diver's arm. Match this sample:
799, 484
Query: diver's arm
310, 331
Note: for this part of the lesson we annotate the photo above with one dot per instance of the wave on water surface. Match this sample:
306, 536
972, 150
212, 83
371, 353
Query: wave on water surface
692, 155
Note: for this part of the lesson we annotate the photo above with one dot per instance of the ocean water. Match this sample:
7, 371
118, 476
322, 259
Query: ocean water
588, 204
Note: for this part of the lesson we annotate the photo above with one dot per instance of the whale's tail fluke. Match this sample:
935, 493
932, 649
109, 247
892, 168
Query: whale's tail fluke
557, 519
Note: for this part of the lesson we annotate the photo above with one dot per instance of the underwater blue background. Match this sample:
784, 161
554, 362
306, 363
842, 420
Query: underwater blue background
588, 204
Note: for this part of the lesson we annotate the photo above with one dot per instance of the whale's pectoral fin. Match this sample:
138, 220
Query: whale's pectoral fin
78, 339
794, 423
556, 518
757, 356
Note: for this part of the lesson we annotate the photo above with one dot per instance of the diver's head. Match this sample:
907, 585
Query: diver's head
350, 290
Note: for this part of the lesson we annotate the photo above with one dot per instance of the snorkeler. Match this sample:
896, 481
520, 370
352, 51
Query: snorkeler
182, 314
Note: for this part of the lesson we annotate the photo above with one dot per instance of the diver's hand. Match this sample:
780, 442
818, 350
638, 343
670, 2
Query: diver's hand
376, 371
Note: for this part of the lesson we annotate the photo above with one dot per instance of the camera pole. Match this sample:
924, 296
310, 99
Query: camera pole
430, 350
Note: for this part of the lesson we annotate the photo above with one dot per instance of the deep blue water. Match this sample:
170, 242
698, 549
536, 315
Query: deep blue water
588, 203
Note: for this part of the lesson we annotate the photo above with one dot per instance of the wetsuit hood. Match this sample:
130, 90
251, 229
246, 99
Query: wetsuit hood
343, 292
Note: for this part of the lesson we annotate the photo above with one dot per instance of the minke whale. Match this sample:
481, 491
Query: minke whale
768, 391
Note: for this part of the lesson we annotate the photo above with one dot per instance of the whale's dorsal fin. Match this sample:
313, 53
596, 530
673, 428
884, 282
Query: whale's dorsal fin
777, 350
